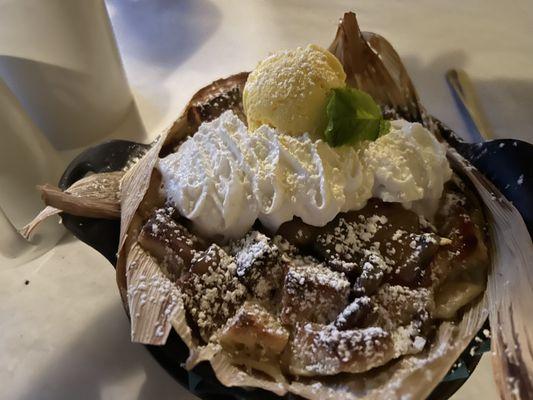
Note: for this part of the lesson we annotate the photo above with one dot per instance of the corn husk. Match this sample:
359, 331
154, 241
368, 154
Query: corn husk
509, 289
372, 65
95, 196
151, 318
135, 184
154, 303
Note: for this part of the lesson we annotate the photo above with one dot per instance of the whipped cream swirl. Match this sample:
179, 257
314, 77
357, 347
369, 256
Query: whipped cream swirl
409, 166
224, 177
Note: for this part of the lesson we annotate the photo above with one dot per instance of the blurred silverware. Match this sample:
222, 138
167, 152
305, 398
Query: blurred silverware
467, 99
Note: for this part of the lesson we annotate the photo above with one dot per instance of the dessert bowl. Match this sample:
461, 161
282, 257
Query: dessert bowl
370, 64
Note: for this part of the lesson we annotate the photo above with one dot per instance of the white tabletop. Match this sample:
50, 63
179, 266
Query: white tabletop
63, 333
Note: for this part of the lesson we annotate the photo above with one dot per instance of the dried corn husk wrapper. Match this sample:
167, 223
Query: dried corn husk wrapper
95, 196
372, 65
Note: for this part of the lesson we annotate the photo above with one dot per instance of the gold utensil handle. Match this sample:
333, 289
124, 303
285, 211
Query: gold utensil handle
466, 96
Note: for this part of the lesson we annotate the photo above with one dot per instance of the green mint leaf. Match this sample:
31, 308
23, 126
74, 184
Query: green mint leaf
353, 116
384, 127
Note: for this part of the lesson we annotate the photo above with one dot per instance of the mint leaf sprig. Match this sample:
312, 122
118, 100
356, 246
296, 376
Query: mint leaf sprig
353, 116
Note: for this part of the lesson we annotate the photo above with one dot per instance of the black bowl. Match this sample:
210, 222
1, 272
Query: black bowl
502, 161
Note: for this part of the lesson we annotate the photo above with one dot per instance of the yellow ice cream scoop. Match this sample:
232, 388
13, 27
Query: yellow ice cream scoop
289, 90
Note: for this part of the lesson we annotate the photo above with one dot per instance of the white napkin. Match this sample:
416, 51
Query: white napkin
26, 160
60, 59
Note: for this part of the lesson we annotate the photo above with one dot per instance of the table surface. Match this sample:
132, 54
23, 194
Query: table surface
63, 333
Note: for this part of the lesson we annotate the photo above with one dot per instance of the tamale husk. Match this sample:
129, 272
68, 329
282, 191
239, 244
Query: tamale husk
509, 289
88, 207
135, 184
151, 316
96, 196
371, 64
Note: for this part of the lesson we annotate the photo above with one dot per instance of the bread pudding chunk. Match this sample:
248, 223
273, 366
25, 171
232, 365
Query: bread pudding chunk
259, 264
358, 314
211, 290
319, 349
458, 270
382, 242
169, 242
254, 332
312, 292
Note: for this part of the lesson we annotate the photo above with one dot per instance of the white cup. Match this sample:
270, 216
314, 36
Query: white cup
60, 59
26, 159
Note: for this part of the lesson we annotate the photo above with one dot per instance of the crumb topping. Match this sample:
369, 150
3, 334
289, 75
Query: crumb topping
347, 297
211, 289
